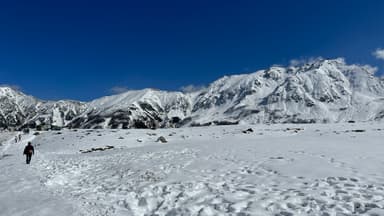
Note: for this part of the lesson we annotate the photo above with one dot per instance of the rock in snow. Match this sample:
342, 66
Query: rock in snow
162, 140
322, 91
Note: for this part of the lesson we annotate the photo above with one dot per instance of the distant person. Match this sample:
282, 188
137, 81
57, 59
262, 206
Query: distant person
19, 137
29, 151
15, 139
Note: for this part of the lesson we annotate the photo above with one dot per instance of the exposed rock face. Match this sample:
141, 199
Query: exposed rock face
321, 91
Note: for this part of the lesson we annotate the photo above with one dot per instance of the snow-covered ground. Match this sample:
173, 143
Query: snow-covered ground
314, 169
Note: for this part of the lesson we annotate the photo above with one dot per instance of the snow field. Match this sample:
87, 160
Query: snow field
275, 170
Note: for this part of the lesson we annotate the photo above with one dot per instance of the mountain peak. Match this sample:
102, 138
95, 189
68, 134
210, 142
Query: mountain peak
4, 90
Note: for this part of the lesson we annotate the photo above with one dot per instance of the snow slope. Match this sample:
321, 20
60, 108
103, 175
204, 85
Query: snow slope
310, 169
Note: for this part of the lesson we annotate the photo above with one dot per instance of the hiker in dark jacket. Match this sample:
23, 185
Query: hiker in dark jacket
29, 151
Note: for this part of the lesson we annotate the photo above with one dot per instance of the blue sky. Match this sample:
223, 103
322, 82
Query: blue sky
83, 49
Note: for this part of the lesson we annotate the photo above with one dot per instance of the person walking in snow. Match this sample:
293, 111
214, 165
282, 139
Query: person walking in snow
28, 152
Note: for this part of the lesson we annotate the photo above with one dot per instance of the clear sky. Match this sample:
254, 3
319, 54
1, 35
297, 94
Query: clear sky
86, 49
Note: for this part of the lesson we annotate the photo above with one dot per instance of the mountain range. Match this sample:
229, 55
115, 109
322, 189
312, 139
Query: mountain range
321, 91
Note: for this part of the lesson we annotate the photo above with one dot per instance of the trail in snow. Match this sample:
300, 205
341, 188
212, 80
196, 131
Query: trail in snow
316, 170
21, 192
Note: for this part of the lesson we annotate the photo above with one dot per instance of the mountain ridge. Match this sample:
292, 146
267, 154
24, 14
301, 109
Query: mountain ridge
325, 90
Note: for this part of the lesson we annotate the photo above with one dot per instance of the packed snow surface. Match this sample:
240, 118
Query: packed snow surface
316, 169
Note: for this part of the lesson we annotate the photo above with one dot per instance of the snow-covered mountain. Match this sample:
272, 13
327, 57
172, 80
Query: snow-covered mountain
20, 110
138, 109
320, 91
